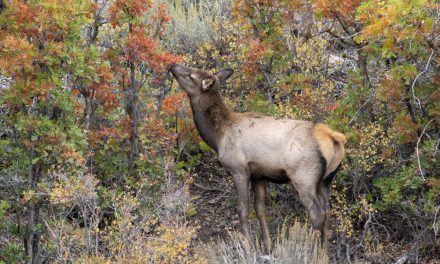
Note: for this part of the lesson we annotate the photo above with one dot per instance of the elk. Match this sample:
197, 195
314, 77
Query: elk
255, 149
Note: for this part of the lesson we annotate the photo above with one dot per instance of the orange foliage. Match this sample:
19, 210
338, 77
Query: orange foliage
405, 128
102, 88
129, 8
153, 130
342, 8
255, 53
174, 103
105, 132
23, 14
139, 47
161, 17
16, 54
391, 90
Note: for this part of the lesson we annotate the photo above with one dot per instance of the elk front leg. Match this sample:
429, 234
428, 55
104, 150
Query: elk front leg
241, 182
259, 188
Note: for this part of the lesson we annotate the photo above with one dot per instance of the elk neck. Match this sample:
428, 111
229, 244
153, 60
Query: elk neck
210, 117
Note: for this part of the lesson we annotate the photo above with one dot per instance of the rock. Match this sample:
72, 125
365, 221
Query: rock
5, 82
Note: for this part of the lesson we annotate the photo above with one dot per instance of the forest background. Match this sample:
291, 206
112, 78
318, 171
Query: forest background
100, 161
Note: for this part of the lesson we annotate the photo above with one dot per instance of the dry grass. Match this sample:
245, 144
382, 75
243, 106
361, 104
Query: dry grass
192, 22
295, 243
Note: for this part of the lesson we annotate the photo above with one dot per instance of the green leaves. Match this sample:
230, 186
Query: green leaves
400, 189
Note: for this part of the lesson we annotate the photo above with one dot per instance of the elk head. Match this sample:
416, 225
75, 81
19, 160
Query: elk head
195, 82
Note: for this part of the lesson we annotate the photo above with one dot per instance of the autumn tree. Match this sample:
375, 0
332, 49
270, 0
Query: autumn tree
263, 46
63, 88
142, 61
344, 27
42, 136
401, 34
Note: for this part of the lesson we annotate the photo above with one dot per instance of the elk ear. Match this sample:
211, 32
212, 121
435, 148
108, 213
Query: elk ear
206, 84
224, 74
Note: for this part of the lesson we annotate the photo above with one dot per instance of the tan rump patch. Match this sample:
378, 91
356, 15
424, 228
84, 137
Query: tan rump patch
331, 144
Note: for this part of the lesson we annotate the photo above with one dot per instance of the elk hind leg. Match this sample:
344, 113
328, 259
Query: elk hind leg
312, 200
324, 190
259, 189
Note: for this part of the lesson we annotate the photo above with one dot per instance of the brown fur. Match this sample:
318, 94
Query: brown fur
256, 148
211, 117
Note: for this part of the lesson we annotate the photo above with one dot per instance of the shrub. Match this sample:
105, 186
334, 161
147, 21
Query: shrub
296, 243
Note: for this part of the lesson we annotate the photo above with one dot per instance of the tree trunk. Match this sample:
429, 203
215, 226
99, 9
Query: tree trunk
29, 241
87, 112
37, 235
2, 5
362, 64
133, 112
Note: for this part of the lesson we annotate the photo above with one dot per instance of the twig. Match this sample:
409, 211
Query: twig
206, 188
417, 77
360, 108
435, 220
335, 36
347, 252
48, 227
412, 38
403, 259
417, 150
380, 225
327, 29
367, 223
436, 147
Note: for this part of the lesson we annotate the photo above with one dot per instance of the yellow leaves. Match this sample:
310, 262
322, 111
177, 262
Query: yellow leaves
172, 242
373, 247
365, 154
61, 14
61, 195
71, 190
346, 214
205, 48
30, 196
310, 54
136, 237
389, 43
403, 19
341, 212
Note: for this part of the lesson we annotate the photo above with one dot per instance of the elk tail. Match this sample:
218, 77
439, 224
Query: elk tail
331, 144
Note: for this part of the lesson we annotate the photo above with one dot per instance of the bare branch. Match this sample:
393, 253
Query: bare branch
418, 153
417, 77
360, 108
403, 259
436, 147
434, 224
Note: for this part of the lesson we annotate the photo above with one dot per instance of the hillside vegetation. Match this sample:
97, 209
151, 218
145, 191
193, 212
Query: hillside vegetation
100, 161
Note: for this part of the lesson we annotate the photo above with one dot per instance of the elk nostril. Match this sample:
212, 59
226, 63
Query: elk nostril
176, 69
173, 69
